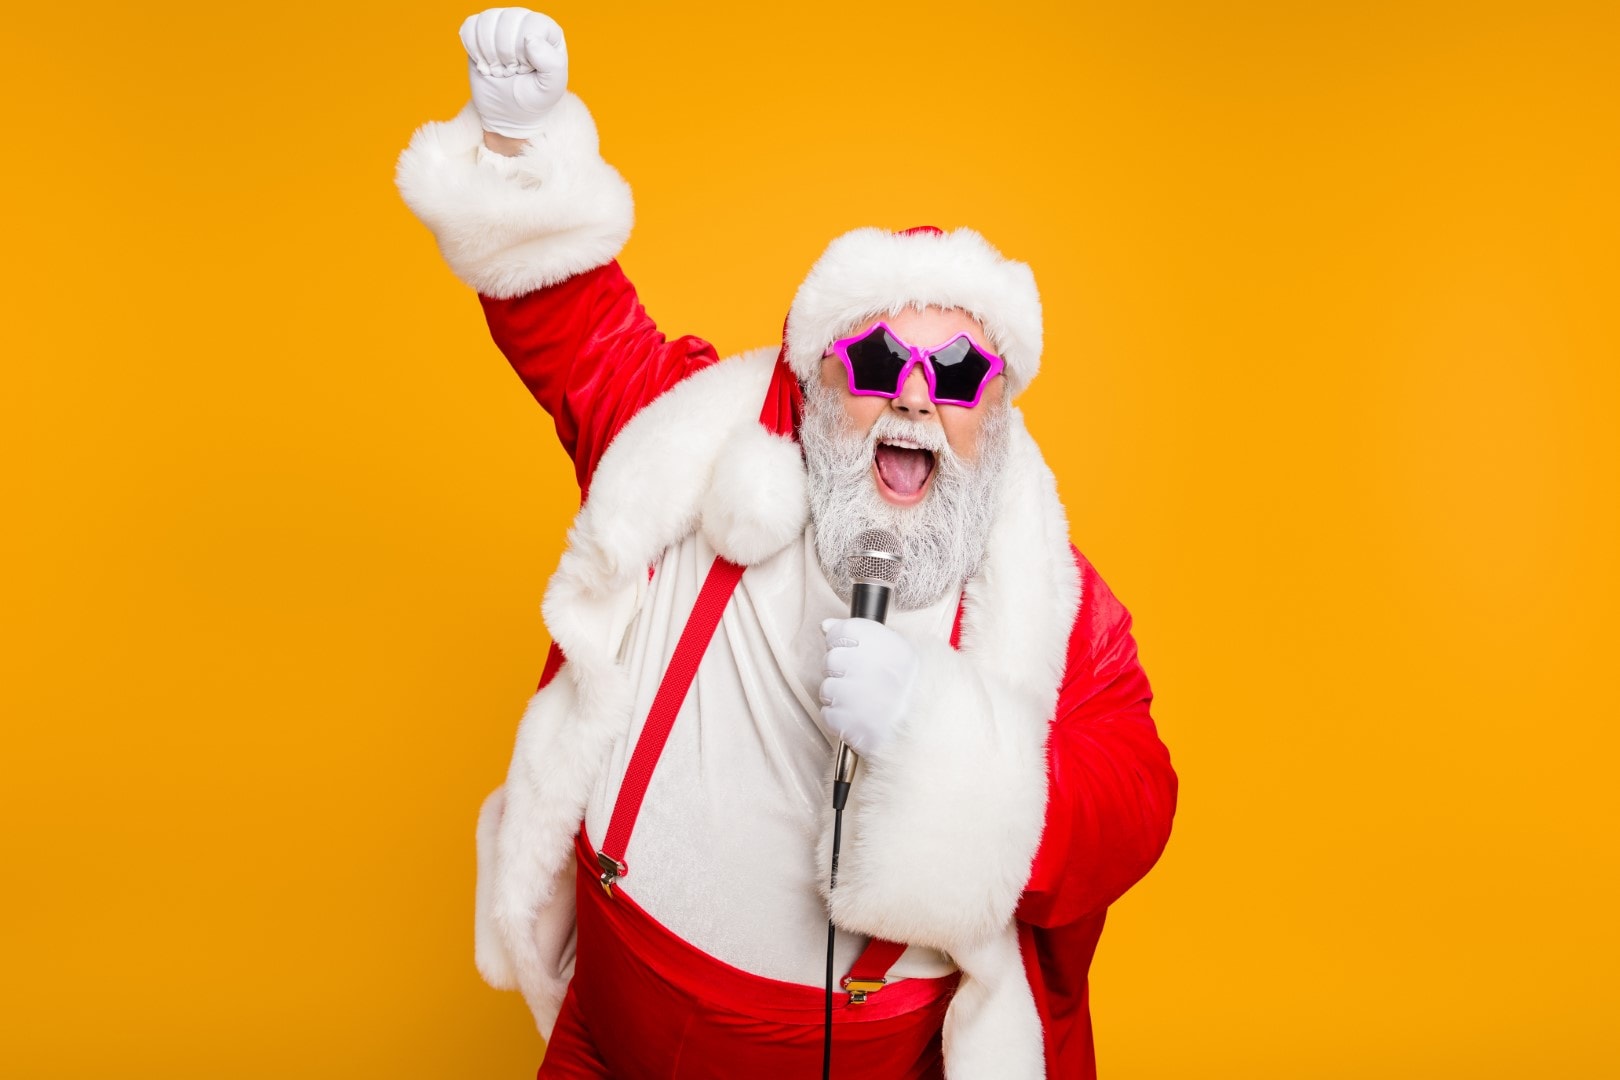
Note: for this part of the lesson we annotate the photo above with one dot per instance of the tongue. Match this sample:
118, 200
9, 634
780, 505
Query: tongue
903, 469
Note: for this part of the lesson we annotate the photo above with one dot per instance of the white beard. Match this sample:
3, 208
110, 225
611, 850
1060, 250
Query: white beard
943, 536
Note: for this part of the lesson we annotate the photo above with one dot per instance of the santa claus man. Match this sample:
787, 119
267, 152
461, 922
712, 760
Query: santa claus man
653, 875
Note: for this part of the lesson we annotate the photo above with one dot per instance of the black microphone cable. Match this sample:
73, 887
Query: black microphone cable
841, 781
874, 564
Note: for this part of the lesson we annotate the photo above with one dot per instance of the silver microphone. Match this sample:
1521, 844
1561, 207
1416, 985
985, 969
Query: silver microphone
874, 570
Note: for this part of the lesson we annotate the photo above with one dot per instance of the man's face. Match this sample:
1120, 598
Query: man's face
928, 473
903, 475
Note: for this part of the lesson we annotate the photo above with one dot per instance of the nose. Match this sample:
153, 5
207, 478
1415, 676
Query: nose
913, 400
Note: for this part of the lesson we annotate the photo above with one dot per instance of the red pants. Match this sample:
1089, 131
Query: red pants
645, 1004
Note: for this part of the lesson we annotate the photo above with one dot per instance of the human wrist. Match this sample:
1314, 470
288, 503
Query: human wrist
504, 145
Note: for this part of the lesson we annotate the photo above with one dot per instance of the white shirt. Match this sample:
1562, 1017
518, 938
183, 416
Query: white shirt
724, 849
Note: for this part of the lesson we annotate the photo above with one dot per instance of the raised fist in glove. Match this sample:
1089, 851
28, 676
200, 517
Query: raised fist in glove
517, 63
870, 671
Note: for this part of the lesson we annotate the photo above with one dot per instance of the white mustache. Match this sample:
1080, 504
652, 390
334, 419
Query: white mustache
891, 429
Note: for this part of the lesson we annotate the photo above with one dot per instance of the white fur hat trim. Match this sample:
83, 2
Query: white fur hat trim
872, 272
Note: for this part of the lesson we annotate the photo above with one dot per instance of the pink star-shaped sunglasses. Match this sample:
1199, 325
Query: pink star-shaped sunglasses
878, 362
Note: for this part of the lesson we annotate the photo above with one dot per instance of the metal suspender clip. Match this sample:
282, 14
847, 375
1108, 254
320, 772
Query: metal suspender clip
859, 988
612, 871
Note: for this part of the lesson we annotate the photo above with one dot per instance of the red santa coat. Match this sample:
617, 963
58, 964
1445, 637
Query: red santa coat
537, 238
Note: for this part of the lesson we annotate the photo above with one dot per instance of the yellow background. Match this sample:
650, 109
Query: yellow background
1330, 388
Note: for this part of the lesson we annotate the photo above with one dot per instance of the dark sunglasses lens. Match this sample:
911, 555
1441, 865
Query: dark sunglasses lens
959, 370
876, 361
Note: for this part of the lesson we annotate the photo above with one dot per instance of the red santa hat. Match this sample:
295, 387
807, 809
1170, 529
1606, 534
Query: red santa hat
872, 272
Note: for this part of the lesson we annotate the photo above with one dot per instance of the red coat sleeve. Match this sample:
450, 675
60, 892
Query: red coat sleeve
591, 356
1111, 790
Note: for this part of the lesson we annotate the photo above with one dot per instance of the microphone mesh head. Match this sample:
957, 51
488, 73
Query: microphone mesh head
875, 558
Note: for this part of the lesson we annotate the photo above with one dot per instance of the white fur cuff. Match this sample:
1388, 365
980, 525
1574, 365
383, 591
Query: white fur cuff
510, 226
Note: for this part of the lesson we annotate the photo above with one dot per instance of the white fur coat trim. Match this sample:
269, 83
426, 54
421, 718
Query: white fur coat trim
508, 226
942, 831
871, 272
947, 817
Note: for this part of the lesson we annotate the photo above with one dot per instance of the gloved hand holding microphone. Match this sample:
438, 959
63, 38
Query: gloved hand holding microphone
870, 671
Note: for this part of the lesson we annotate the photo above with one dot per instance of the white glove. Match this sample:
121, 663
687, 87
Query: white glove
870, 671
517, 62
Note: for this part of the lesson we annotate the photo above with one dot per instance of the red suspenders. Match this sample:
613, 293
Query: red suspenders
869, 972
700, 627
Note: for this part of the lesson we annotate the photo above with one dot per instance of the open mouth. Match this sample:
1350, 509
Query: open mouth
903, 471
